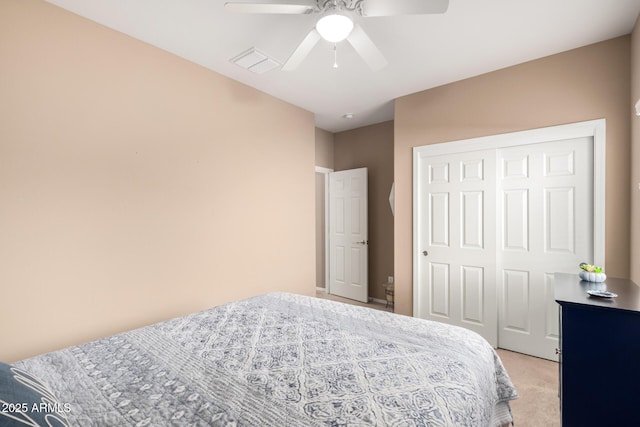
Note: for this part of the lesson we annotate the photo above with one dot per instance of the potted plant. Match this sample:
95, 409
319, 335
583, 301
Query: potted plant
591, 273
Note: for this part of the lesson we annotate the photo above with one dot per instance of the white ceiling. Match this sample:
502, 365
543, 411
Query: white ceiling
473, 37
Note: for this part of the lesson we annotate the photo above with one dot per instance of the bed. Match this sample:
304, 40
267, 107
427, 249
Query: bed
274, 360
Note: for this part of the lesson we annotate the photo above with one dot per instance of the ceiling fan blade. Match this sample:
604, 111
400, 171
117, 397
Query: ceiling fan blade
282, 7
366, 48
301, 52
403, 7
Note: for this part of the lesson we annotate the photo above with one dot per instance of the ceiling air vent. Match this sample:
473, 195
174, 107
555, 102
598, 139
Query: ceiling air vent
256, 61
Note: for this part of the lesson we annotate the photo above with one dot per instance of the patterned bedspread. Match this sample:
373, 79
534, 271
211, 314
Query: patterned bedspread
282, 360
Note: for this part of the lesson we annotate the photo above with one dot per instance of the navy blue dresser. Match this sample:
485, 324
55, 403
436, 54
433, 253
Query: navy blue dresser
599, 352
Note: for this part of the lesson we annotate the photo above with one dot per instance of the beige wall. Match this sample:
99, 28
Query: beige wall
372, 147
132, 189
582, 84
324, 148
635, 155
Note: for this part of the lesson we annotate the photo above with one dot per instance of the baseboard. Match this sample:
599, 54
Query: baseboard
376, 300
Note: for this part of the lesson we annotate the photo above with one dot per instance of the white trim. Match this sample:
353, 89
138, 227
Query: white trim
595, 128
599, 199
326, 172
592, 128
417, 153
319, 289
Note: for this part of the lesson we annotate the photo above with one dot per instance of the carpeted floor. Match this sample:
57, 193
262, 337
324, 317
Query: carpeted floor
537, 383
535, 379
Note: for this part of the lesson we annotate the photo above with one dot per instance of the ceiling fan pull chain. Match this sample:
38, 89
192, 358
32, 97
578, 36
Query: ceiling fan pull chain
335, 55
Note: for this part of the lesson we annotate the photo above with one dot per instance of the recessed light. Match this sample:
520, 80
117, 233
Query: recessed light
348, 116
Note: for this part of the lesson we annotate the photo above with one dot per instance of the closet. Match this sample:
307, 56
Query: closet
495, 218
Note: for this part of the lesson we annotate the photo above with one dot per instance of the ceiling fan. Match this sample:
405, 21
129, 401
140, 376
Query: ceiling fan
336, 24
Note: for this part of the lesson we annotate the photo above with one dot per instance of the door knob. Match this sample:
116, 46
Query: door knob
425, 253
364, 242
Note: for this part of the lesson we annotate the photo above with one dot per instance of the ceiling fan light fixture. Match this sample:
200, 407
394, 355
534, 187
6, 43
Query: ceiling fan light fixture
334, 28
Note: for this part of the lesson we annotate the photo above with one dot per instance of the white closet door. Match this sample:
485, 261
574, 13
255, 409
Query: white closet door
546, 216
495, 217
457, 228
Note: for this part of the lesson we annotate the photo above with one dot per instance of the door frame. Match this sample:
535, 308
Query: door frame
592, 128
325, 172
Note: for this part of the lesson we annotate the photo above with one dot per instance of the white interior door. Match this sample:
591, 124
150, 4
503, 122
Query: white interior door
546, 197
348, 234
495, 217
456, 235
